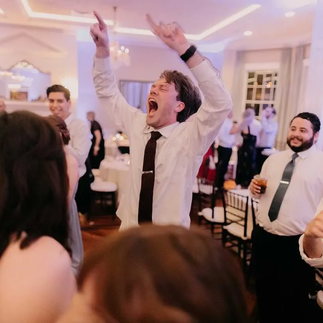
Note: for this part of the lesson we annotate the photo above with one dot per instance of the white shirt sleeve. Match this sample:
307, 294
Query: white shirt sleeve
112, 101
213, 111
314, 262
80, 143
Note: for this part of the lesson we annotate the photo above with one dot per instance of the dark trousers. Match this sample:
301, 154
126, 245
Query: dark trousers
260, 159
224, 155
83, 193
283, 279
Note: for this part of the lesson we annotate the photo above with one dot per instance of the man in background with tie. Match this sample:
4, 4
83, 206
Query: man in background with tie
165, 151
294, 190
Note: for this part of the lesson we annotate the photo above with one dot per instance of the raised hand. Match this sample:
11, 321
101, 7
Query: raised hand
171, 34
314, 228
99, 33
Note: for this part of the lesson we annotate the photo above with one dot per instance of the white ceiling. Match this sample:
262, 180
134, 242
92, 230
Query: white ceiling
269, 25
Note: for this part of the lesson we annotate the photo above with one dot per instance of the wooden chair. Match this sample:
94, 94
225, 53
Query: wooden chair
208, 211
104, 192
239, 224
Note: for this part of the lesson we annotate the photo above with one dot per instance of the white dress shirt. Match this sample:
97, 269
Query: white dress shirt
303, 194
179, 151
314, 262
225, 139
268, 132
80, 143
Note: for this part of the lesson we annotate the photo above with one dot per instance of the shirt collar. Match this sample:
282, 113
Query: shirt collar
304, 154
69, 119
166, 131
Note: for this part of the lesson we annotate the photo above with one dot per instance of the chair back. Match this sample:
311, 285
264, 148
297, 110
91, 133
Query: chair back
236, 209
206, 194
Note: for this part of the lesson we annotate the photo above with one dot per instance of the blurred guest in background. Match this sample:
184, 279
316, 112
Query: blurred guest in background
148, 285
2, 106
226, 139
59, 99
73, 175
97, 150
250, 130
267, 135
37, 283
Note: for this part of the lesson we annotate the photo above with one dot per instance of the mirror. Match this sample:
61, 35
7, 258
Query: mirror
24, 82
135, 93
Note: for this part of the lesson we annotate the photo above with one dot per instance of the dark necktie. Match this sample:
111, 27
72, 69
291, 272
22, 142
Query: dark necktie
145, 209
282, 189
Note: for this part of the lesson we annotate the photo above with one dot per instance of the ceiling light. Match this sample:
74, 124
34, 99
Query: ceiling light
290, 14
248, 33
68, 18
229, 20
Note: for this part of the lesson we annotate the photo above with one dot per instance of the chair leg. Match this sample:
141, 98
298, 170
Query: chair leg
212, 229
224, 237
244, 256
114, 205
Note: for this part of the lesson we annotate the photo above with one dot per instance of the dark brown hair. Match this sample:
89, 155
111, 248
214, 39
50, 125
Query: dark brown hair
164, 274
60, 124
188, 93
59, 88
34, 182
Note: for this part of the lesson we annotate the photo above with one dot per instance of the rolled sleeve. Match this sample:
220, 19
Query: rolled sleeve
314, 262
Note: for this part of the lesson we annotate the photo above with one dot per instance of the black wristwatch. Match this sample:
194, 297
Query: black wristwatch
189, 53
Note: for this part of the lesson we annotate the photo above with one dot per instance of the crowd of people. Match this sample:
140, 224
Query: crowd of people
156, 269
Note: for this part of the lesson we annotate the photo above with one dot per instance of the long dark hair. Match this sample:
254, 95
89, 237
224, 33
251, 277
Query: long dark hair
164, 274
34, 182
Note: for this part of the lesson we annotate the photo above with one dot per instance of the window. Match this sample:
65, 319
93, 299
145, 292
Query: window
261, 89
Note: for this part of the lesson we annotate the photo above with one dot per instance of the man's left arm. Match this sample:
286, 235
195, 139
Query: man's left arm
215, 108
80, 143
217, 101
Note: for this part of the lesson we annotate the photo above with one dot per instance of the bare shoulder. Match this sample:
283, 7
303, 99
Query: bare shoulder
45, 253
29, 281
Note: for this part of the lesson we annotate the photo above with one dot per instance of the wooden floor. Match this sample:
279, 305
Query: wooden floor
102, 226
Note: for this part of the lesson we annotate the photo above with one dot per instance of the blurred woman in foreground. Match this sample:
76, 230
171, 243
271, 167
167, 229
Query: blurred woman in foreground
159, 274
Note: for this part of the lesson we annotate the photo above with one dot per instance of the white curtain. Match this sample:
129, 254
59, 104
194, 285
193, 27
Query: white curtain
289, 91
238, 95
135, 93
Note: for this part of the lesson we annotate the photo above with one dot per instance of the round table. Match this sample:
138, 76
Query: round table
116, 172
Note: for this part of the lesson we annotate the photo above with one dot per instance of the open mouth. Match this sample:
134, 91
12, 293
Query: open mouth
153, 106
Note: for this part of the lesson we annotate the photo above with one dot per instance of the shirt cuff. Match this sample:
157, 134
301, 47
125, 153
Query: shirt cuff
204, 71
314, 262
102, 64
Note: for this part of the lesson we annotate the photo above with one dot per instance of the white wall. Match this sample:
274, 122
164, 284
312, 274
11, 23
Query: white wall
147, 63
51, 51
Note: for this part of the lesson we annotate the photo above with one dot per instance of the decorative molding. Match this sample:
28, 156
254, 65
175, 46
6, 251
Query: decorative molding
262, 66
35, 47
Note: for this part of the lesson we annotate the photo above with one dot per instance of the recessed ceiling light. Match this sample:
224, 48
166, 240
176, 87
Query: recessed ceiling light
290, 14
248, 33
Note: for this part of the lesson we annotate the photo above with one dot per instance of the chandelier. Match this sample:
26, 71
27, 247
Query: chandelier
119, 55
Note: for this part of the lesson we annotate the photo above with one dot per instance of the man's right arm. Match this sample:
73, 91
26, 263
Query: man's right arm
105, 81
109, 95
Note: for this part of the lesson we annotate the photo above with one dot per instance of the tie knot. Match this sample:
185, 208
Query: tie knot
155, 135
295, 155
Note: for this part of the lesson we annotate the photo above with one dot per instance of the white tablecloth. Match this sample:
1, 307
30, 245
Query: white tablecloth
116, 172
